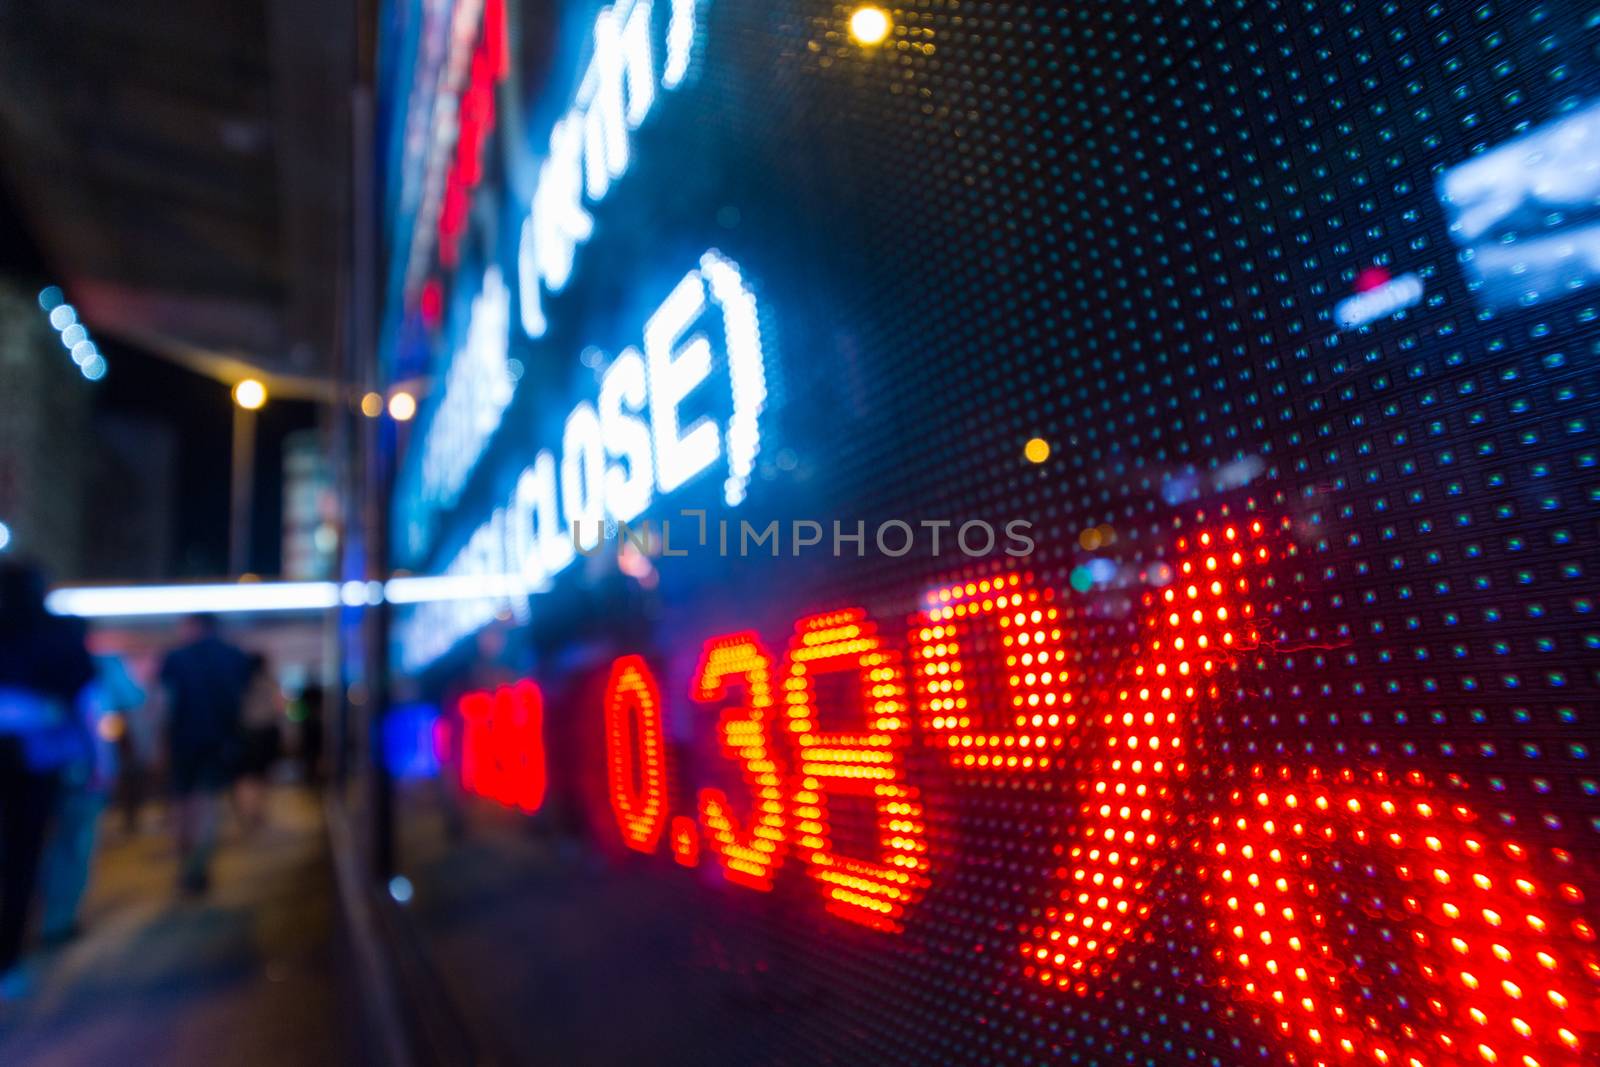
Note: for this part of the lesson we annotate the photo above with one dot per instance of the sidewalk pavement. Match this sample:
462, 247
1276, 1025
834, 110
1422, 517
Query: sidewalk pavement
246, 976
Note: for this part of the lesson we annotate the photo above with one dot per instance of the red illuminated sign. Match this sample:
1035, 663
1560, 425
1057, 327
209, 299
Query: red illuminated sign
866, 762
749, 857
475, 121
636, 753
1026, 642
1139, 743
502, 745
1365, 919
1360, 918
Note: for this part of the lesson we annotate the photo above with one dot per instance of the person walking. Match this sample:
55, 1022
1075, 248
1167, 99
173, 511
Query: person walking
105, 705
205, 680
134, 735
44, 667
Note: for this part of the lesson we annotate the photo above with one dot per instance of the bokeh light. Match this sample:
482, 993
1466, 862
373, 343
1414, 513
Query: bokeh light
250, 394
869, 25
402, 406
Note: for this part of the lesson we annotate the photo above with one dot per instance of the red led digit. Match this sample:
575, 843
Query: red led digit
477, 766
1029, 651
1365, 921
1372, 923
636, 755
520, 708
685, 841
748, 858
874, 892
1140, 748
502, 745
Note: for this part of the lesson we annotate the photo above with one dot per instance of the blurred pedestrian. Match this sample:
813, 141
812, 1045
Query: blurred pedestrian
260, 742
133, 732
205, 679
44, 667
105, 706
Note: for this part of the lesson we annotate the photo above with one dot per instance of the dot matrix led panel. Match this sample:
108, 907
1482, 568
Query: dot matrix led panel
1272, 323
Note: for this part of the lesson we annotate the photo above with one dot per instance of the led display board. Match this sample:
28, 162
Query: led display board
1000, 532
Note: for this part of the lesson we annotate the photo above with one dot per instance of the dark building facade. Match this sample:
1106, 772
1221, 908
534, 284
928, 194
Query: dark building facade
45, 406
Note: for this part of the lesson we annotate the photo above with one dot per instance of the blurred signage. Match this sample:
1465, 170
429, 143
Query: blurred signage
618, 452
462, 57
589, 146
1527, 213
990, 684
625, 446
413, 741
310, 536
477, 388
1271, 752
502, 745
1379, 302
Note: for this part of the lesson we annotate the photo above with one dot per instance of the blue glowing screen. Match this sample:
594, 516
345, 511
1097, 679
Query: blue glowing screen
1000, 533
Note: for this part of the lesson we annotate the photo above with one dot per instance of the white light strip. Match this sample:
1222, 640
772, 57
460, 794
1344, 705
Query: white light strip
455, 587
153, 601
144, 600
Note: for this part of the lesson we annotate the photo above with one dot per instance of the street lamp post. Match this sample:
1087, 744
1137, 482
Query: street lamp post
248, 397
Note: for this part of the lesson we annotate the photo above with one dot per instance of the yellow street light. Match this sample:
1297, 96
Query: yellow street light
250, 394
248, 397
372, 405
402, 406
